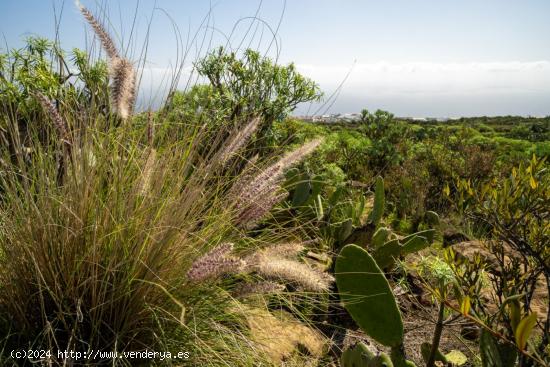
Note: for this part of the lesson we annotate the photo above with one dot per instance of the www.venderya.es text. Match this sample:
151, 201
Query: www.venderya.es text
95, 355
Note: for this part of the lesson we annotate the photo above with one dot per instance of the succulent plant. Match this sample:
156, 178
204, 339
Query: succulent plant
358, 355
379, 202
380, 237
386, 254
495, 354
302, 190
367, 296
425, 350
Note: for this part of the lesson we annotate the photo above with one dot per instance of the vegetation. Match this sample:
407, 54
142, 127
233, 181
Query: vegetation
221, 227
116, 239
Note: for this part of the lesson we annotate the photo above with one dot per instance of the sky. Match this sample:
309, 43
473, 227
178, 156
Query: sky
436, 58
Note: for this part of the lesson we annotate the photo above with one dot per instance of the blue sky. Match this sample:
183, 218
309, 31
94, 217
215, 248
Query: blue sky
412, 57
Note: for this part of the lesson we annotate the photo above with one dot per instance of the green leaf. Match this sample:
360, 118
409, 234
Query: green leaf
465, 305
446, 190
523, 331
533, 183
514, 313
319, 207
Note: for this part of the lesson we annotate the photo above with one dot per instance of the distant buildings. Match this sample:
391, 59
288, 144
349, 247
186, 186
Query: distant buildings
334, 117
356, 117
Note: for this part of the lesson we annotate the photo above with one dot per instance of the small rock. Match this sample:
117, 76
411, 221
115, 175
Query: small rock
470, 332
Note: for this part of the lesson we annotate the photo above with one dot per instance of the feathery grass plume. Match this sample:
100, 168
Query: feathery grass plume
299, 154
288, 249
266, 287
104, 37
214, 263
147, 172
293, 271
267, 180
239, 140
121, 69
124, 85
272, 176
256, 196
246, 175
257, 210
282, 250
310, 242
58, 121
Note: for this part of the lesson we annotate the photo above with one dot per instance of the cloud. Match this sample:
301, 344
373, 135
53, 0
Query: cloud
438, 89
427, 78
420, 88
155, 83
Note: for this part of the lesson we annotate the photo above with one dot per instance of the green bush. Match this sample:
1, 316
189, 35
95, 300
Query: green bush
115, 238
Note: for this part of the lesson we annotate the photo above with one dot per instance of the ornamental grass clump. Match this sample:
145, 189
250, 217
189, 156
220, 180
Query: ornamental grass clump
130, 250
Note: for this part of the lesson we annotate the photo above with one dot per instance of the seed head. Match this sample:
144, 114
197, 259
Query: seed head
214, 264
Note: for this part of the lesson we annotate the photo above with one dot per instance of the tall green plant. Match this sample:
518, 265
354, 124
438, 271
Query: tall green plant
254, 85
367, 296
133, 249
513, 214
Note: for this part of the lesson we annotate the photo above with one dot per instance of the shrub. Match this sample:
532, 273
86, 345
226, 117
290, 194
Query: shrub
514, 213
253, 85
115, 240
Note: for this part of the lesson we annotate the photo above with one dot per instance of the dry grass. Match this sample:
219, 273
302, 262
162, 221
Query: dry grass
105, 258
278, 335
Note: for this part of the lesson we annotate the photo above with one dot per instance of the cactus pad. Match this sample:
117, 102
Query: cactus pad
367, 296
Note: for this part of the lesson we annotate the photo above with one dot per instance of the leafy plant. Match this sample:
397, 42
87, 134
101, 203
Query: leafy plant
139, 244
514, 213
439, 279
253, 85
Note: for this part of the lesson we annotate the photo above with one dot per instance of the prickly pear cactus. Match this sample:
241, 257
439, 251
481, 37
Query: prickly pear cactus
345, 230
495, 354
379, 202
381, 360
385, 255
397, 356
358, 355
425, 350
367, 296
380, 237
414, 244
302, 191
427, 233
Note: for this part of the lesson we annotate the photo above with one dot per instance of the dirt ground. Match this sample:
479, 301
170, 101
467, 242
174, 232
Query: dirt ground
419, 323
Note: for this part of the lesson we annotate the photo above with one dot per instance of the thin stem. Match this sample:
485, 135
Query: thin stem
437, 335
